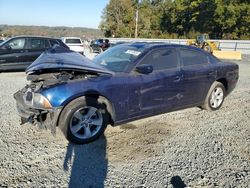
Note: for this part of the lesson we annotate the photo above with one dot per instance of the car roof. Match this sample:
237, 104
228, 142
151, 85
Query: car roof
152, 45
149, 44
71, 38
33, 36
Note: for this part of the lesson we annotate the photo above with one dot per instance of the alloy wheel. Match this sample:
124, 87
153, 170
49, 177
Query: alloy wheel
86, 122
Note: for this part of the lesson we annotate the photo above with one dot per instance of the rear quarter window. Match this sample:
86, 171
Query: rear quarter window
53, 42
214, 59
192, 57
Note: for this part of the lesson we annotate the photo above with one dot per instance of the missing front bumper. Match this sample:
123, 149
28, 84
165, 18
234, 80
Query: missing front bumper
45, 119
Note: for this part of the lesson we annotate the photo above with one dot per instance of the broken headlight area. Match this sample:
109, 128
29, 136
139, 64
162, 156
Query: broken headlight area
35, 109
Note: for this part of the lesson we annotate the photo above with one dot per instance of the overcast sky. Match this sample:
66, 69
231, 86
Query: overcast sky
72, 13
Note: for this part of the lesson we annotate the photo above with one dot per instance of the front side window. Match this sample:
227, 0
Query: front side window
37, 43
118, 58
162, 59
17, 43
191, 57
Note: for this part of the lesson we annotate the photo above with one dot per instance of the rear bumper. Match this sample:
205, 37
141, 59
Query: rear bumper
46, 119
232, 78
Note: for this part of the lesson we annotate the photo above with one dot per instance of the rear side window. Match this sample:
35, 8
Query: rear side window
37, 43
162, 59
73, 41
191, 57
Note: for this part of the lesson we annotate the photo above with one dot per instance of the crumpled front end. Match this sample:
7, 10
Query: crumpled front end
54, 67
30, 111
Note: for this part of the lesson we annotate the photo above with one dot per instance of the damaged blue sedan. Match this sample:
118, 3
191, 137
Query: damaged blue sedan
125, 83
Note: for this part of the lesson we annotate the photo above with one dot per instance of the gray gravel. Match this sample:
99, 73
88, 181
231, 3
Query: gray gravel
191, 147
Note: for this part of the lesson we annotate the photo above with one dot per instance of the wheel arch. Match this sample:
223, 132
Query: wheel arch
224, 82
100, 98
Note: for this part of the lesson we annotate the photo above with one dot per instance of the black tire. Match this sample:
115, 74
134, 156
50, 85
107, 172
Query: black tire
88, 110
100, 50
207, 48
215, 97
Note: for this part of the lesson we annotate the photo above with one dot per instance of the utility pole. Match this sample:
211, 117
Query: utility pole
136, 22
136, 19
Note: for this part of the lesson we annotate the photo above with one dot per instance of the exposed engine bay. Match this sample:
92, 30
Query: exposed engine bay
46, 79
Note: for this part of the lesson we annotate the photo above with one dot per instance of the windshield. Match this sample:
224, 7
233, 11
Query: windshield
119, 57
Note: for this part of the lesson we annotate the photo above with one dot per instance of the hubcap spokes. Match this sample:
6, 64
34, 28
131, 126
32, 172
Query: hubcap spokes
216, 97
86, 122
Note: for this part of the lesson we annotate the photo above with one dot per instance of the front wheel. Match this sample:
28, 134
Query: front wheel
207, 48
83, 120
215, 97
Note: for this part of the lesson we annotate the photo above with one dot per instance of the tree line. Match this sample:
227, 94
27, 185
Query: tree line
221, 19
14, 30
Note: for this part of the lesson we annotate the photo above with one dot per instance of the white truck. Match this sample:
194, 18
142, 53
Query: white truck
74, 43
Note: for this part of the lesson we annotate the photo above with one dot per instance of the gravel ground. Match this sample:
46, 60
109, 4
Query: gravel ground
188, 148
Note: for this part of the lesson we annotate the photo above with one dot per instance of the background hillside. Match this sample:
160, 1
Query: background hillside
14, 30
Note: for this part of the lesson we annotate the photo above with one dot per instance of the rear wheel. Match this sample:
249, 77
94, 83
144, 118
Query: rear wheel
83, 120
215, 97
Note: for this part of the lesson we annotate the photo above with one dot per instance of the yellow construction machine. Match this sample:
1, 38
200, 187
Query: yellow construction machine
201, 41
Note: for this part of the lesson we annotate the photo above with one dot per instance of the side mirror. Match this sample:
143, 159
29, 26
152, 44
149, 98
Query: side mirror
144, 69
7, 47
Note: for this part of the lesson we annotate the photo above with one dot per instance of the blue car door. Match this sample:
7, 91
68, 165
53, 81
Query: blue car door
159, 90
197, 76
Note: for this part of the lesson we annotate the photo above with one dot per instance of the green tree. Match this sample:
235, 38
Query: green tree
118, 18
178, 18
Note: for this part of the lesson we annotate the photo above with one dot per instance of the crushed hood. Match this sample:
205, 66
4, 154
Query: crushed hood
59, 58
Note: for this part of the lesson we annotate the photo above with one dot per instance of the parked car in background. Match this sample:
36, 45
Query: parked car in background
74, 43
99, 45
19, 52
1, 41
126, 82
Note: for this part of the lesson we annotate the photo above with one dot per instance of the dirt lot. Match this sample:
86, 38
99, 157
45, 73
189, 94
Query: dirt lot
191, 147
